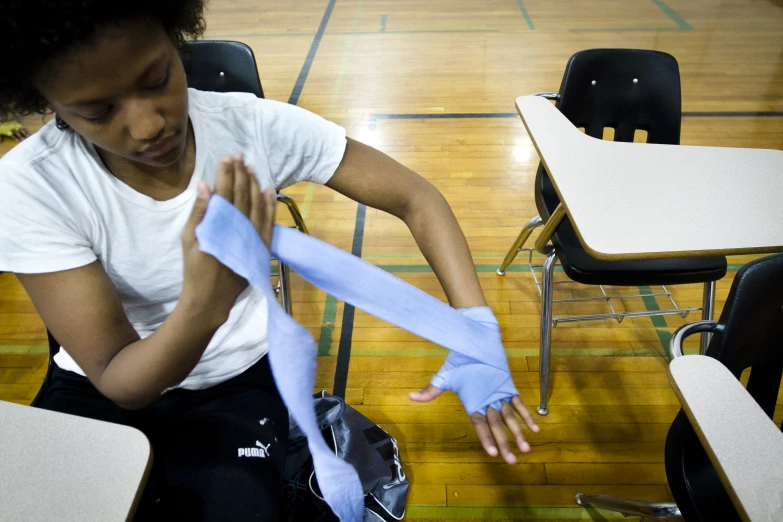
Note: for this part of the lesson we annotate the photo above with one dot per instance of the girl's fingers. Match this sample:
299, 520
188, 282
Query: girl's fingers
224, 183
241, 186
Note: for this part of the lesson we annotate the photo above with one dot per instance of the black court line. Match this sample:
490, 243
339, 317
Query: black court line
346, 333
442, 116
480, 115
439, 116
302, 78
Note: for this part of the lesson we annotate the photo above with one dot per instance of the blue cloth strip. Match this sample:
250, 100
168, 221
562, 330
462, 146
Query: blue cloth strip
476, 369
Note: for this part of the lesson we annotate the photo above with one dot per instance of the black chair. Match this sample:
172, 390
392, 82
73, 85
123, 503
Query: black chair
625, 90
223, 66
748, 335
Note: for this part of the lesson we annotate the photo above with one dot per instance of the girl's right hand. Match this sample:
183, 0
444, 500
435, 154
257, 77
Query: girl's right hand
208, 286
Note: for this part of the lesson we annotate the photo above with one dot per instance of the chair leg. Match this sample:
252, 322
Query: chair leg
707, 310
547, 277
524, 234
285, 289
285, 280
293, 209
631, 508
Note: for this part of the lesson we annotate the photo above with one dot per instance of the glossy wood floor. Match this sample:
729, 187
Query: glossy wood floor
433, 84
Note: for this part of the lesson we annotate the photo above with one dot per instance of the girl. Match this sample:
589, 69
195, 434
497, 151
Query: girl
97, 219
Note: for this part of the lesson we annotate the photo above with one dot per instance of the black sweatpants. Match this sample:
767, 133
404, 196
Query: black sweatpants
219, 453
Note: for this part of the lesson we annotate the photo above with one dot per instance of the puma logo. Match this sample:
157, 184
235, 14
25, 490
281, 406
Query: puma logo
260, 451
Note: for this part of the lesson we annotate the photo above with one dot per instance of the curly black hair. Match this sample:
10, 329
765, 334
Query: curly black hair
33, 31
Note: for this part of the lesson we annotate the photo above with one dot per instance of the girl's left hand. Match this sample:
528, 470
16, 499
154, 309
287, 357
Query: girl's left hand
491, 428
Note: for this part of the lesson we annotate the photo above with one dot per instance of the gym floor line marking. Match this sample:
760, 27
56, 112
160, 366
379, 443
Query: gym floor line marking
481, 115
343, 33
682, 25
346, 332
308, 63
528, 20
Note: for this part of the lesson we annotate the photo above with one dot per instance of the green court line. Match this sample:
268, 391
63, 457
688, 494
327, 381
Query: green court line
658, 321
480, 268
24, 350
682, 25
416, 268
680, 21
399, 353
511, 513
665, 337
529, 20
732, 267
330, 315
420, 257
327, 329
652, 305
384, 19
327, 326
483, 268
403, 352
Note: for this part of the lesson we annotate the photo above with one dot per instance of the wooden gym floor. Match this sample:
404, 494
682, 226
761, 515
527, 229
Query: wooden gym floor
433, 84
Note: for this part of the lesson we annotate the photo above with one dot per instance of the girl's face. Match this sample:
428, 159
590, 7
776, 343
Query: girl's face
125, 91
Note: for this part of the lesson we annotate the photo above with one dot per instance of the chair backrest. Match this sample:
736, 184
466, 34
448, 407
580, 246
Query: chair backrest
221, 66
623, 89
752, 337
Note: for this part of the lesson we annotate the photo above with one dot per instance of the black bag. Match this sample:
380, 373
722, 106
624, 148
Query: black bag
360, 442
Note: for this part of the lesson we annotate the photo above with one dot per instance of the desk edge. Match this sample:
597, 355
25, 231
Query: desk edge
703, 440
603, 256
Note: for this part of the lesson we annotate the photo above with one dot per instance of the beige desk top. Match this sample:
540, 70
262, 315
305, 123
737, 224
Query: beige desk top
66, 468
745, 446
632, 200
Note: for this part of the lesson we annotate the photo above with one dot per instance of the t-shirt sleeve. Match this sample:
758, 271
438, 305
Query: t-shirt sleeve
38, 233
299, 145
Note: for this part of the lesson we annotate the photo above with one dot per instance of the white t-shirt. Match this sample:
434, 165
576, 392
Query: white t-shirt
60, 208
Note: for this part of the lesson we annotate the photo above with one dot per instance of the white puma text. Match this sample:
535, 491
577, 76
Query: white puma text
260, 451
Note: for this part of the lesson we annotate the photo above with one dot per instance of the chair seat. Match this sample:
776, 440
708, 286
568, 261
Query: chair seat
585, 269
